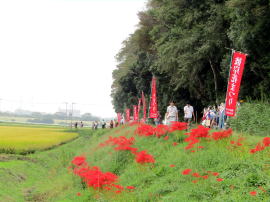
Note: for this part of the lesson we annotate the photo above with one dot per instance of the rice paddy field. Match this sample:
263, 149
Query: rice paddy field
26, 139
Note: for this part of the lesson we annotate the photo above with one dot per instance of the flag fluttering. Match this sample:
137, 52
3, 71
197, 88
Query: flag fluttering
135, 113
127, 115
153, 112
139, 108
144, 107
119, 117
236, 72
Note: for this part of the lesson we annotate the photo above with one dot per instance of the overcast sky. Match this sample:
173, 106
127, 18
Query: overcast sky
55, 51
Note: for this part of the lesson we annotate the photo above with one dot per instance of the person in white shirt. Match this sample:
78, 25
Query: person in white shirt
188, 114
171, 114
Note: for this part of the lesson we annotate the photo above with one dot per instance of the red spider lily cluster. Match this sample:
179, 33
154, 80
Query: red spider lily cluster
78, 160
254, 193
192, 139
198, 176
202, 132
238, 142
159, 130
121, 142
222, 134
261, 145
145, 130
93, 177
124, 143
142, 157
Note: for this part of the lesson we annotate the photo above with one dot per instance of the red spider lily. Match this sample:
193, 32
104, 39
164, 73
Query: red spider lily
118, 186
178, 126
222, 134
253, 193
166, 138
195, 174
186, 171
121, 142
238, 142
78, 194
145, 130
78, 160
201, 131
161, 130
266, 141
95, 178
259, 147
200, 147
192, 151
215, 174
220, 179
192, 140
172, 166
142, 157
194, 181
130, 187
205, 177
175, 144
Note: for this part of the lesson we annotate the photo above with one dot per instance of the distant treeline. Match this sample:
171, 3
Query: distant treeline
187, 46
37, 117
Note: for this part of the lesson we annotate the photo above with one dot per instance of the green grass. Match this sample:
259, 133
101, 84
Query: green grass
44, 176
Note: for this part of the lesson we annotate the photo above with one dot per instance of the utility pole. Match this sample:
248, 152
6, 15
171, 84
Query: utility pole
66, 113
72, 112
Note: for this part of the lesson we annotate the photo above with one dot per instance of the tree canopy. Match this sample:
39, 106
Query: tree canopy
187, 46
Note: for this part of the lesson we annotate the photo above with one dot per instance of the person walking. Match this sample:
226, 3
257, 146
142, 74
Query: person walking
103, 124
111, 124
188, 114
171, 114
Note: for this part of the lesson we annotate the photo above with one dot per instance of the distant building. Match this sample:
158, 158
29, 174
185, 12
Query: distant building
76, 113
22, 112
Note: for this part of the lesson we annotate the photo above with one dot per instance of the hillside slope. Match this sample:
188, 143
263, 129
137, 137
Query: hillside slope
233, 173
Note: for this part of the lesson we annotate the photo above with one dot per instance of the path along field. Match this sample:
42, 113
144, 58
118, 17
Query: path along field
19, 139
217, 170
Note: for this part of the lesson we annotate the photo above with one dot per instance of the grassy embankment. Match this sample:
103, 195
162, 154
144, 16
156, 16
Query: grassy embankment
43, 176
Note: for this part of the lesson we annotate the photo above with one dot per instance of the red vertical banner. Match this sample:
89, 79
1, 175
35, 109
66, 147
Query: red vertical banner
144, 107
135, 112
119, 117
139, 108
236, 72
127, 115
153, 112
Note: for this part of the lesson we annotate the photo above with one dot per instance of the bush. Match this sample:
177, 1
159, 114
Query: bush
252, 118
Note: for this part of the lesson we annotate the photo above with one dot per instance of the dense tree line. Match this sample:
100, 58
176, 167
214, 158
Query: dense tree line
187, 45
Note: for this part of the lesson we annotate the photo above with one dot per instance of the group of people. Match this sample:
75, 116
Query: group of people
96, 124
172, 114
76, 124
214, 117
